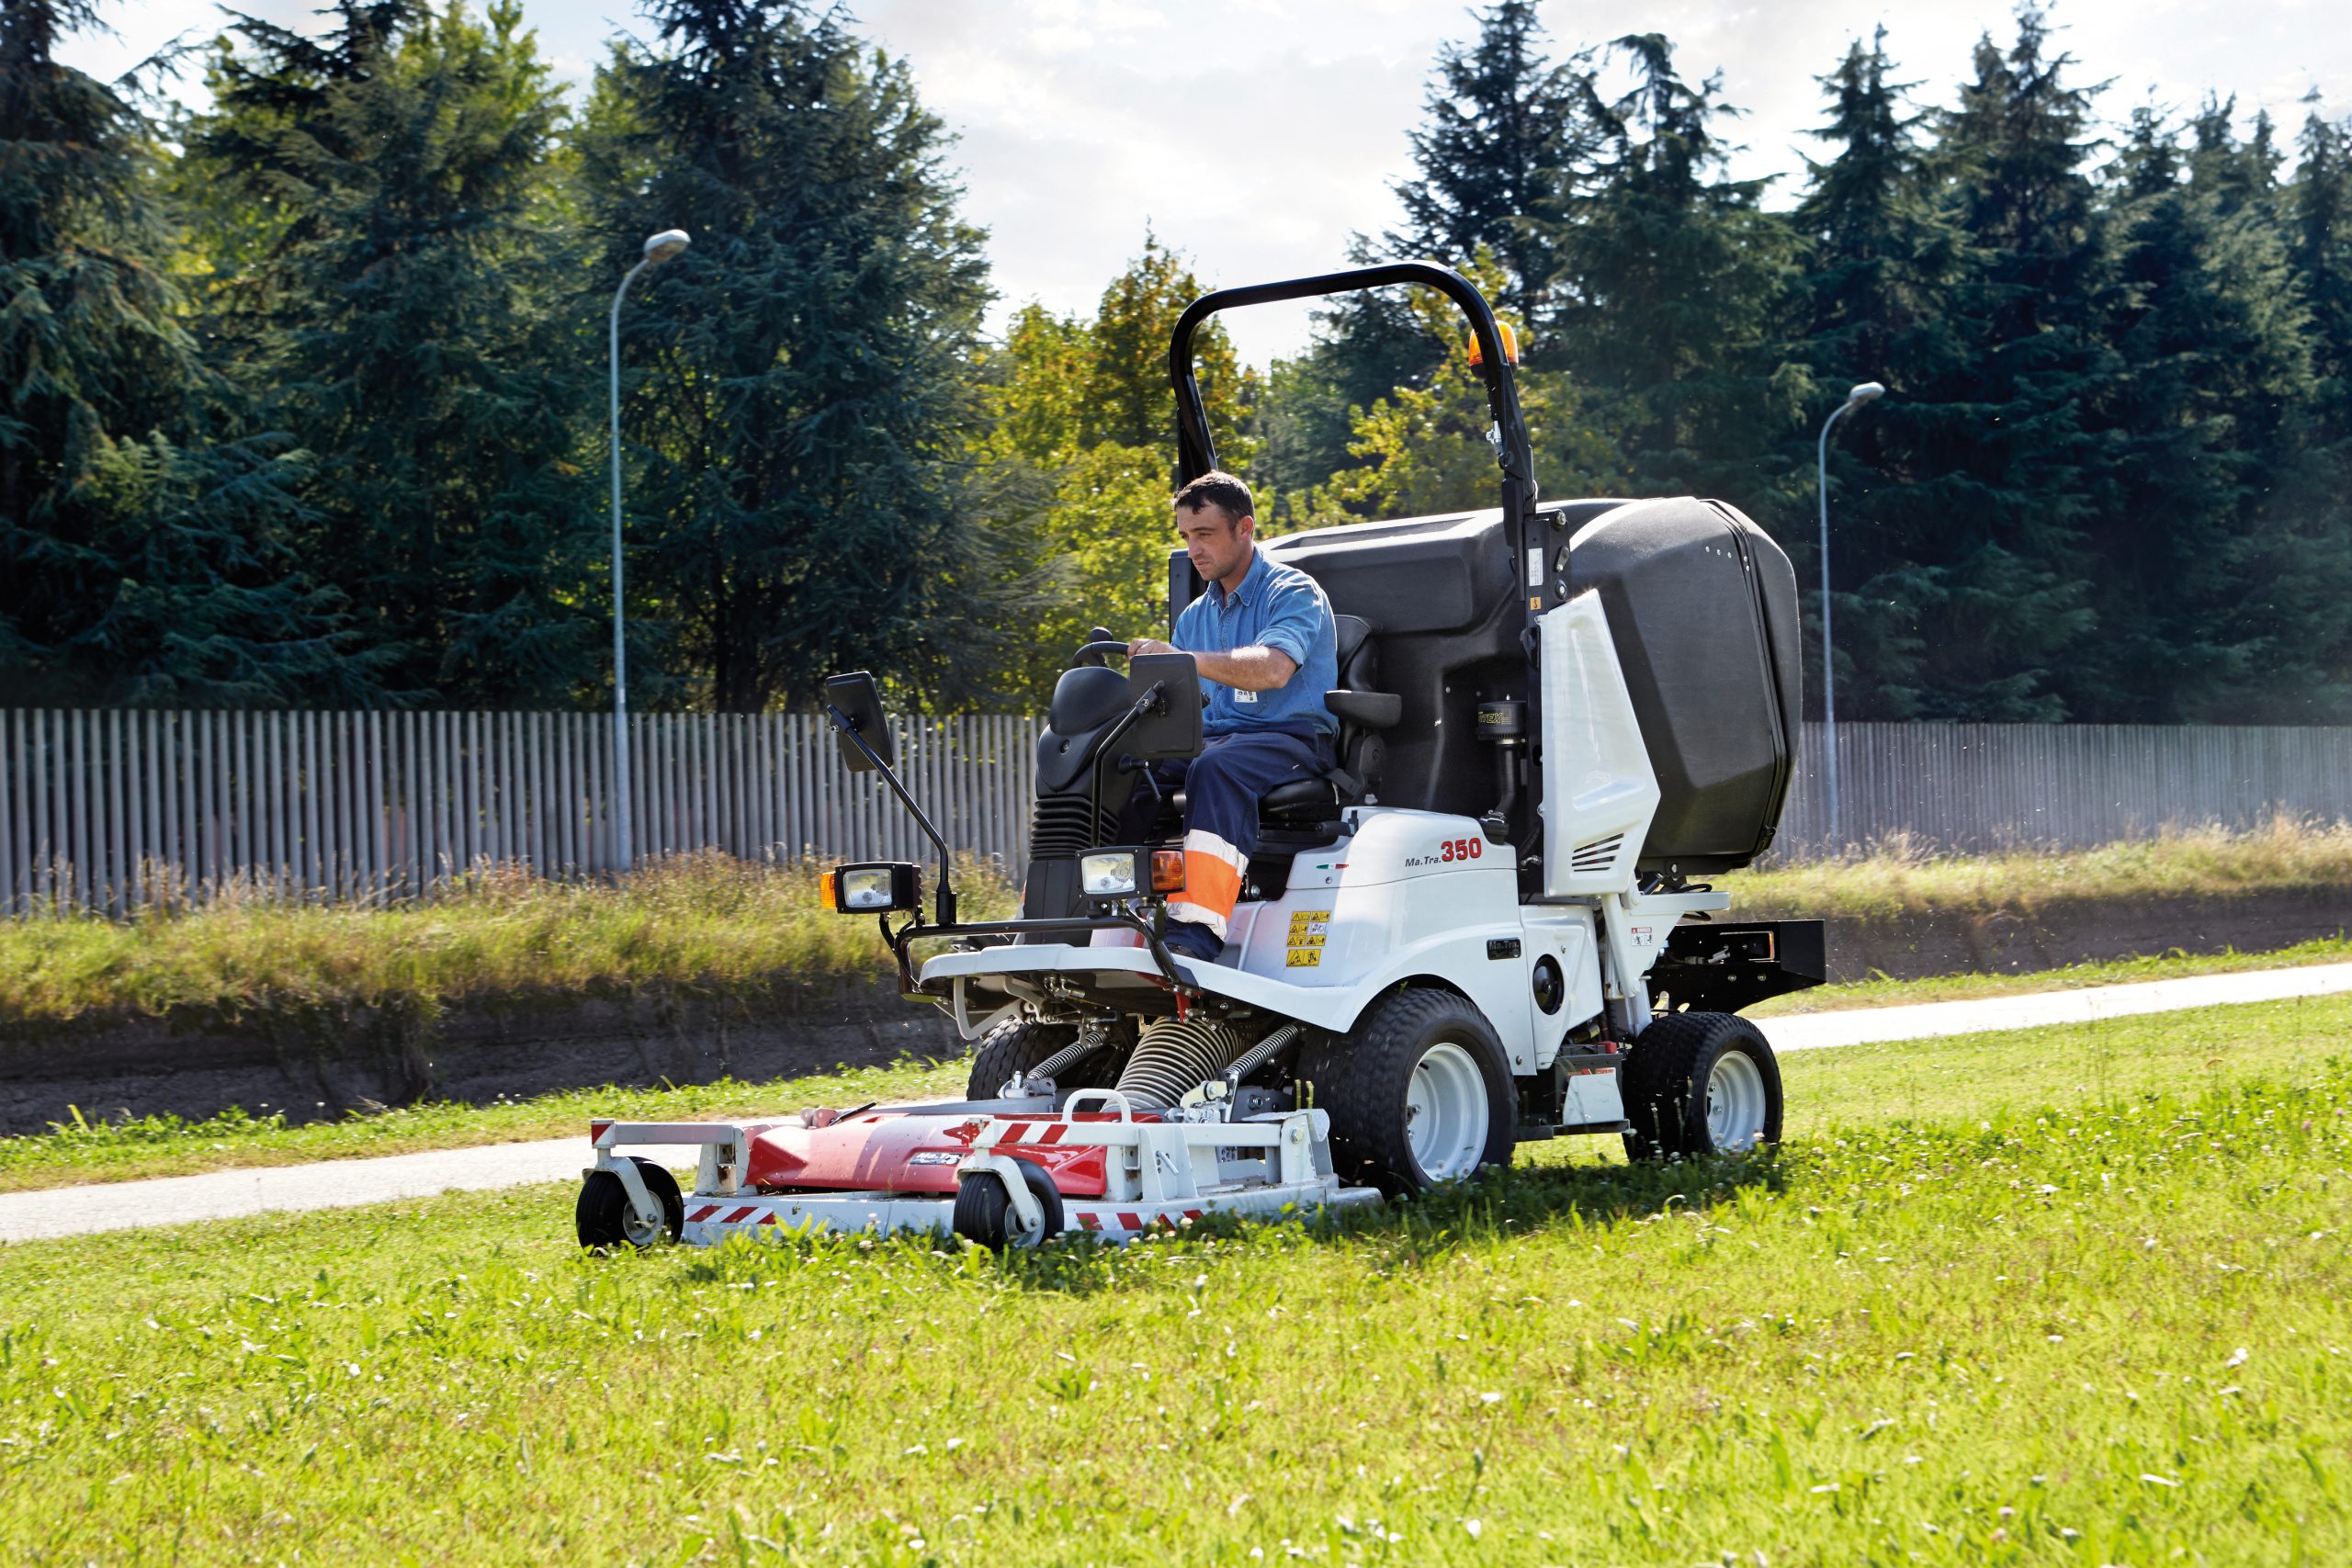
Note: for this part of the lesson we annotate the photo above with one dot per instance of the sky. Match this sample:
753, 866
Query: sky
1256, 135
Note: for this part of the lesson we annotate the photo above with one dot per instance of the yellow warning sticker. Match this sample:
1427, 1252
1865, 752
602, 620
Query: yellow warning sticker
1309, 929
1303, 958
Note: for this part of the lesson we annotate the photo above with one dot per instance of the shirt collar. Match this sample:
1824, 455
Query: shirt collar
1251, 580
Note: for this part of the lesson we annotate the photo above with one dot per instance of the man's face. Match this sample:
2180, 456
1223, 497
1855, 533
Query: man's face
1218, 545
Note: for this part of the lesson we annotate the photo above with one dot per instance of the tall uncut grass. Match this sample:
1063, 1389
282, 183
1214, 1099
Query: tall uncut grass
704, 920
717, 922
1898, 875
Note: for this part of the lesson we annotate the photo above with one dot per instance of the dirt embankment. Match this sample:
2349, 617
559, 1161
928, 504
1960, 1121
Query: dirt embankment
315, 1062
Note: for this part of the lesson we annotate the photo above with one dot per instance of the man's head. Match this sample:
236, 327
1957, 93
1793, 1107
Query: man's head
1217, 521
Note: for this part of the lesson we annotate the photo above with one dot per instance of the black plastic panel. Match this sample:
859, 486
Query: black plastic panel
1702, 607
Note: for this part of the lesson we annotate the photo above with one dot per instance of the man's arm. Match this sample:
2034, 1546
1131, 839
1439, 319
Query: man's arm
1245, 668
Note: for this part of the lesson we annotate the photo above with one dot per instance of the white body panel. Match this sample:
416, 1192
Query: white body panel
1568, 934
1409, 894
1600, 793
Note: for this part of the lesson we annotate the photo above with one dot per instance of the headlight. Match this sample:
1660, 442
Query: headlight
877, 887
1107, 873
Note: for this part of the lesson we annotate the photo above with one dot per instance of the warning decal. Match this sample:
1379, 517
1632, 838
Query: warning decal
1308, 929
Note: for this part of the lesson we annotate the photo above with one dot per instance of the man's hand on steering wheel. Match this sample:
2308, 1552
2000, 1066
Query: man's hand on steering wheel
1139, 647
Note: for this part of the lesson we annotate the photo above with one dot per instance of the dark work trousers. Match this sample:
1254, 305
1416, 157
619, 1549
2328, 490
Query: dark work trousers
1222, 787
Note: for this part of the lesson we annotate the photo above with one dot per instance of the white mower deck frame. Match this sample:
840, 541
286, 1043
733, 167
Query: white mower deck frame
1154, 1178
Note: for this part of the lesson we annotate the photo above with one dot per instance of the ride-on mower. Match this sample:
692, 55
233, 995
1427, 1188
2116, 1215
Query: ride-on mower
1479, 928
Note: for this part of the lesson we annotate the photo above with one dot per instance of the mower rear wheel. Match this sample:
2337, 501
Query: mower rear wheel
1013, 1048
604, 1217
1700, 1084
984, 1209
1417, 1092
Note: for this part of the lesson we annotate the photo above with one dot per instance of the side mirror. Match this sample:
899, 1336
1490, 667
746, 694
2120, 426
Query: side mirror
1174, 726
859, 703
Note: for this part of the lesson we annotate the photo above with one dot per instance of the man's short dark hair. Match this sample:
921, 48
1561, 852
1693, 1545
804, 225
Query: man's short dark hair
1218, 489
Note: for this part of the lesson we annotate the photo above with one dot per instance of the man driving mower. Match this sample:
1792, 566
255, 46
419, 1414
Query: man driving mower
1267, 649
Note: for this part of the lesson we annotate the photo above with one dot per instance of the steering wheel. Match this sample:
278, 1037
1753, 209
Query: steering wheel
1099, 642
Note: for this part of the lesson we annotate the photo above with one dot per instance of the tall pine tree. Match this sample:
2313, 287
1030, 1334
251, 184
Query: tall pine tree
1672, 280
2028, 469
1881, 265
142, 548
1505, 136
379, 203
803, 382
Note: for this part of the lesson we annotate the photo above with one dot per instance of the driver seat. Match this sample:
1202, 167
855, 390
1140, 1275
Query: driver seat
1312, 806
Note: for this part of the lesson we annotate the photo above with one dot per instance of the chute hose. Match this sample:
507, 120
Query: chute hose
1174, 1057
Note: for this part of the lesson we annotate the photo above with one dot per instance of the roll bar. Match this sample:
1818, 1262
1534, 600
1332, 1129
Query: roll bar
1196, 450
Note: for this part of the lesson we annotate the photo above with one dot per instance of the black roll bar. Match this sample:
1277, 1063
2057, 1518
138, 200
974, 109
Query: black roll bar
1196, 449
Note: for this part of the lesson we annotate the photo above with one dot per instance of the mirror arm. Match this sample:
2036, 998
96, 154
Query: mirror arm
946, 901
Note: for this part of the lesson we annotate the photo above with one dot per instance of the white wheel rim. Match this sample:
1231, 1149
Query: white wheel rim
640, 1231
1446, 1112
1021, 1234
1734, 1102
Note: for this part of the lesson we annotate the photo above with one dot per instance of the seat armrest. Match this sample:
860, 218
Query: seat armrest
1372, 710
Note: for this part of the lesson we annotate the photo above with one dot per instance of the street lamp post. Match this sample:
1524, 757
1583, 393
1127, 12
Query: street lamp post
1868, 391
658, 249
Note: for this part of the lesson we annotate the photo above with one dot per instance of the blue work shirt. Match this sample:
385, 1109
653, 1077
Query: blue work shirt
1279, 607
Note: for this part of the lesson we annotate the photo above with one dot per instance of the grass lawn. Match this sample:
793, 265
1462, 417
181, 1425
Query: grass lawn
2066, 1297
170, 1146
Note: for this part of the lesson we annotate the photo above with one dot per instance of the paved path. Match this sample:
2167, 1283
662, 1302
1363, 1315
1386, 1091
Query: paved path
330, 1184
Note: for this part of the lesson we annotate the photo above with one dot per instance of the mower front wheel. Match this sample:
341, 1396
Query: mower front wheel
605, 1219
984, 1213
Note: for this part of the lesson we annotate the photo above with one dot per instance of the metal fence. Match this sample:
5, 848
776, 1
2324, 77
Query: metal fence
1985, 786
110, 810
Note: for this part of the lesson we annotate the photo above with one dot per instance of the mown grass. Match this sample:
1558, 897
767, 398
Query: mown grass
2101, 1324
125, 1149
1897, 878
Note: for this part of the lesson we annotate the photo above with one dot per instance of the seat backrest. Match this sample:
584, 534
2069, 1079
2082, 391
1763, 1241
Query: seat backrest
1358, 750
1358, 662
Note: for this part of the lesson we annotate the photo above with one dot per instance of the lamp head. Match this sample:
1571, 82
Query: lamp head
669, 243
1868, 392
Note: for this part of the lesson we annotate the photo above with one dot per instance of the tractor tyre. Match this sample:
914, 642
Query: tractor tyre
604, 1219
984, 1209
1700, 1084
1419, 1092
1016, 1047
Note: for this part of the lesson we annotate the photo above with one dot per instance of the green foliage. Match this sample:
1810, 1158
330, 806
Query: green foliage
1086, 406
382, 195
1677, 274
301, 397
802, 383
144, 524
1505, 138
